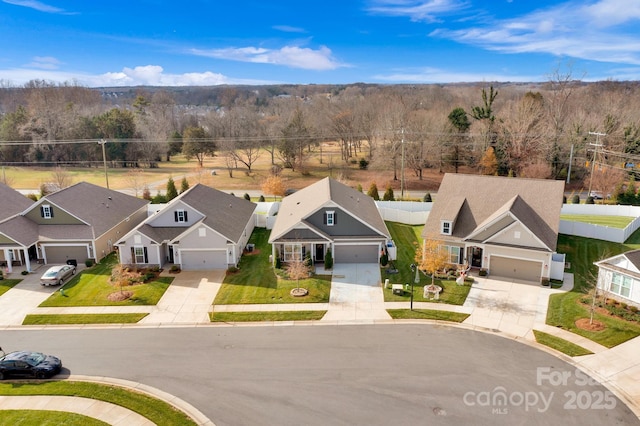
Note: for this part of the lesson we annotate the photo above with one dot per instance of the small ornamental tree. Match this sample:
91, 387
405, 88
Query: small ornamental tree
359, 188
273, 186
388, 194
297, 270
146, 193
431, 257
172, 192
184, 185
373, 192
328, 260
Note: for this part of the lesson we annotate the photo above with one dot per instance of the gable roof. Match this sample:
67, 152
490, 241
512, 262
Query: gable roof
626, 263
301, 204
94, 205
12, 203
536, 203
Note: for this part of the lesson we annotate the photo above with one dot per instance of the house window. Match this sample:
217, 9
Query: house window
292, 252
181, 216
454, 254
621, 285
47, 211
446, 227
139, 254
329, 218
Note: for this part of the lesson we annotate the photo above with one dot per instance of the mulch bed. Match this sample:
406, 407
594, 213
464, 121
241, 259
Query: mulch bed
585, 324
119, 296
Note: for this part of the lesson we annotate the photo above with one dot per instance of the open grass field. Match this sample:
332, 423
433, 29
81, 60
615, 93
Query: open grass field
611, 221
319, 164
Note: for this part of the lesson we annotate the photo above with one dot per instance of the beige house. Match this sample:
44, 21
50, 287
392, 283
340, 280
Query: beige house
79, 222
12, 203
329, 215
202, 229
619, 277
507, 226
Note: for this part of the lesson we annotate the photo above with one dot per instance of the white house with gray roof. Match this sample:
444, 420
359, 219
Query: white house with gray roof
619, 276
79, 222
329, 215
508, 226
202, 229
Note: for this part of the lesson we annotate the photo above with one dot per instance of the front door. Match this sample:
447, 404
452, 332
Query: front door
319, 252
476, 257
170, 254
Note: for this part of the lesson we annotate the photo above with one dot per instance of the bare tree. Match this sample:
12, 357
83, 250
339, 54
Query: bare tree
61, 177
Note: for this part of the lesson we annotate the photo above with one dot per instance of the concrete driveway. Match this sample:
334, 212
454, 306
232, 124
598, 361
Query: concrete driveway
356, 293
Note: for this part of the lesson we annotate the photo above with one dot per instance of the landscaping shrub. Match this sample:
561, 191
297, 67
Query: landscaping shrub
328, 260
88, 263
575, 199
373, 192
564, 199
482, 272
384, 259
278, 264
261, 199
25, 272
388, 194
247, 197
232, 269
174, 269
590, 200
427, 198
363, 164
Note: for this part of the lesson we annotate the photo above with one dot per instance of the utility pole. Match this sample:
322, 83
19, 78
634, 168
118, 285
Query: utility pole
570, 163
104, 161
595, 152
402, 168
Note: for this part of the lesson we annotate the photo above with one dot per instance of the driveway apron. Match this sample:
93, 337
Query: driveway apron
356, 293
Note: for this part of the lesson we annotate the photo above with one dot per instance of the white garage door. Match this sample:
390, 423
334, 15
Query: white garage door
204, 260
356, 254
516, 268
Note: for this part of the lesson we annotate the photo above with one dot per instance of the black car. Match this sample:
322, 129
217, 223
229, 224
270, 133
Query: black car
29, 364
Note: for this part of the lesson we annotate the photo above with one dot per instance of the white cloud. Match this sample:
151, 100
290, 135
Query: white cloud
288, 29
149, 75
417, 10
592, 32
436, 75
34, 4
290, 56
44, 62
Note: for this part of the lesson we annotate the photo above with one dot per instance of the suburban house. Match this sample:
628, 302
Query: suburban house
507, 226
80, 222
329, 215
619, 276
201, 229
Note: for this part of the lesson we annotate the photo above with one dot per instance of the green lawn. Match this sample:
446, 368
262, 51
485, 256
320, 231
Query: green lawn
564, 308
153, 409
6, 285
427, 314
406, 238
559, 344
92, 288
256, 282
267, 316
611, 221
46, 418
83, 319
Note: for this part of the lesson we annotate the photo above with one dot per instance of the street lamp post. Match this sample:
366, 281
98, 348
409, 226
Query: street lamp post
104, 161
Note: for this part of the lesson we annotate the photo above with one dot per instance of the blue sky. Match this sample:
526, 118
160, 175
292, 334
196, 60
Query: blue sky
207, 42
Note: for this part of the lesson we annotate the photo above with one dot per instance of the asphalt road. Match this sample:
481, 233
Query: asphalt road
339, 375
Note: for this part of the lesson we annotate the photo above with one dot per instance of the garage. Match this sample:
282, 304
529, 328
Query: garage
356, 253
203, 260
516, 268
60, 254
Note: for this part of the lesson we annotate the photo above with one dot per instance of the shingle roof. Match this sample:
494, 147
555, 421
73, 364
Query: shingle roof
535, 202
224, 213
21, 230
12, 202
304, 202
99, 207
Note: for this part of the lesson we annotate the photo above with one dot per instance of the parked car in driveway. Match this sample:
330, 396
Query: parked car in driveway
29, 364
56, 275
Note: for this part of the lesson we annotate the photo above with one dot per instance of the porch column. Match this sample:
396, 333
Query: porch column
8, 257
273, 254
27, 261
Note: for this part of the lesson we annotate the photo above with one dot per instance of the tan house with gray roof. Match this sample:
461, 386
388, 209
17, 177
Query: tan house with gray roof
12, 203
329, 215
508, 226
202, 229
80, 222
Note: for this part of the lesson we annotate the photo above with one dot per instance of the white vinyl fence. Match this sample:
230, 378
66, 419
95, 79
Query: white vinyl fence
600, 232
407, 212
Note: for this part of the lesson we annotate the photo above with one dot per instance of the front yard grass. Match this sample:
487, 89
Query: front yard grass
427, 314
157, 411
256, 281
63, 319
560, 344
565, 309
6, 285
47, 418
266, 316
406, 238
92, 288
